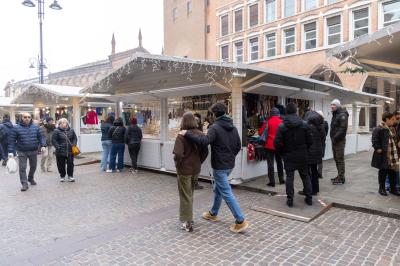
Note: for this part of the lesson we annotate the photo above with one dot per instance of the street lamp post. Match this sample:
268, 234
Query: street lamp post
54, 6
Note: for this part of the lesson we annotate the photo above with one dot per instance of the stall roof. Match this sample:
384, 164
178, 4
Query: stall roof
378, 53
7, 102
166, 76
50, 94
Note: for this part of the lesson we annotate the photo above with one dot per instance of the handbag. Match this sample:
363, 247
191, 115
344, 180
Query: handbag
263, 138
75, 150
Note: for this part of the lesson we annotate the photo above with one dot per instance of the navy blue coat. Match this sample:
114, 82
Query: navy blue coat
7, 127
25, 138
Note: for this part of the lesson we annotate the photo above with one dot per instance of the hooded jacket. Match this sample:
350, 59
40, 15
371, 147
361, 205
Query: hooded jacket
47, 131
225, 143
273, 124
339, 125
292, 140
316, 150
60, 142
105, 127
7, 127
117, 133
25, 138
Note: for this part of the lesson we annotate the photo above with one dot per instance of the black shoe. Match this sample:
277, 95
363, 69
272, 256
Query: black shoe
24, 187
338, 181
396, 193
281, 182
187, 226
4, 163
382, 191
289, 203
197, 186
32, 181
271, 184
308, 201
301, 192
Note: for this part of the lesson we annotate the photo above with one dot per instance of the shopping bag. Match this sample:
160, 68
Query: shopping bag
46, 152
75, 150
12, 166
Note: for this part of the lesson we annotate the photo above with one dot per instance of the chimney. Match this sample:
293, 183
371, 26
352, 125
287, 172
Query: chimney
140, 37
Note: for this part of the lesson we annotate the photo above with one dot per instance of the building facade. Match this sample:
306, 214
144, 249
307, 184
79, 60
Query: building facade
288, 35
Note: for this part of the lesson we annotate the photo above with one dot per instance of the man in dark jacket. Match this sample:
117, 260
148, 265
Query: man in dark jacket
225, 143
326, 128
385, 157
25, 138
293, 140
338, 138
6, 128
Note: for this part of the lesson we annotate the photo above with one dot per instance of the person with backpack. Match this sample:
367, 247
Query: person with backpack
225, 143
133, 138
117, 136
5, 129
64, 138
188, 157
269, 129
293, 139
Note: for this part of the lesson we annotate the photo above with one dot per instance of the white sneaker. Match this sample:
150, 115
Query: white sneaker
62, 179
109, 171
71, 179
118, 171
136, 171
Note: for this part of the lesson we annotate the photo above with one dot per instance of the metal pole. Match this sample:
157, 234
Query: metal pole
41, 15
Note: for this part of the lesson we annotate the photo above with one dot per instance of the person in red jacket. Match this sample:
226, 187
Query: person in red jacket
273, 123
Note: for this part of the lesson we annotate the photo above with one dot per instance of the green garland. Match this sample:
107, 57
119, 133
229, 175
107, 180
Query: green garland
353, 70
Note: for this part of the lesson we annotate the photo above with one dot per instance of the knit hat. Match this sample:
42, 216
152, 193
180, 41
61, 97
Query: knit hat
133, 121
48, 119
291, 108
6, 117
336, 102
218, 109
274, 112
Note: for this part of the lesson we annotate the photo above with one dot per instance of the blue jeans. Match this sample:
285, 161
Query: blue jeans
105, 158
222, 190
117, 149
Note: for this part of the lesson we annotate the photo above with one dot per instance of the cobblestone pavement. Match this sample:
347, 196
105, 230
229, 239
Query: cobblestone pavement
122, 219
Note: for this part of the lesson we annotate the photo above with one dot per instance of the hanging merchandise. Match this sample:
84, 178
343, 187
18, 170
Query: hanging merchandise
91, 118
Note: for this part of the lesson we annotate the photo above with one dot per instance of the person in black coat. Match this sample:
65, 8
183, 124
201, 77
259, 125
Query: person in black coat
63, 139
117, 136
316, 151
385, 157
106, 142
133, 138
293, 139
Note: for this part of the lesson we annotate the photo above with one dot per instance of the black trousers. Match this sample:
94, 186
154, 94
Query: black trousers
271, 156
305, 178
63, 161
133, 153
382, 174
314, 174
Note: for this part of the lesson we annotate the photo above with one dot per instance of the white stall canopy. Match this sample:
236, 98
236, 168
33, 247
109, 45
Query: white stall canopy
158, 77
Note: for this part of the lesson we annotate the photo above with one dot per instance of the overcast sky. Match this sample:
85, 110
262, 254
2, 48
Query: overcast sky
79, 33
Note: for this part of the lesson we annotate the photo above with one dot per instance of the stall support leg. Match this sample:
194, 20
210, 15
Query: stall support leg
12, 115
163, 130
237, 115
355, 126
367, 125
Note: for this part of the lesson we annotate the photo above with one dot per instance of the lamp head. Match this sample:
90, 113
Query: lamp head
28, 3
55, 5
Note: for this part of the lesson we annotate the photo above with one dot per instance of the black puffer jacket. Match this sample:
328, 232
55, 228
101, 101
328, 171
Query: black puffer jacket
60, 142
105, 127
293, 140
117, 132
316, 124
224, 139
133, 135
380, 141
339, 125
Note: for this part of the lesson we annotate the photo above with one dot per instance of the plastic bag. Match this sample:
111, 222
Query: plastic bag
12, 166
46, 152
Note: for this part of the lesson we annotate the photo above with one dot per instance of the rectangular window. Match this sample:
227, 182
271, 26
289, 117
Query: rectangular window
270, 10
253, 43
391, 12
331, 1
289, 40
290, 8
224, 25
253, 15
189, 7
360, 22
270, 41
238, 20
310, 35
334, 35
239, 52
174, 14
310, 4
225, 53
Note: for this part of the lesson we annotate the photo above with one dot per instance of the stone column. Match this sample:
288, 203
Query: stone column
355, 123
237, 103
163, 130
367, 110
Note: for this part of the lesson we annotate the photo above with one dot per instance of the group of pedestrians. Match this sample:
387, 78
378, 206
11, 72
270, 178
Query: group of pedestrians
26, 140
114, 136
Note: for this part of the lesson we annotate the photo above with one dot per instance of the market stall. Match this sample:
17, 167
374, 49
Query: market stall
158, 89
84, 111
12, 109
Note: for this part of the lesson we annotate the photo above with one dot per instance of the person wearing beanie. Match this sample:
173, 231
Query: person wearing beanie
5, 130
293, 139
225, 143
106, 142
269, 128
338, 132
133, 138
47, 130
117, 136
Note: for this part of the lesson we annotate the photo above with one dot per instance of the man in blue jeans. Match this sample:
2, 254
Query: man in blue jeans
225, 145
